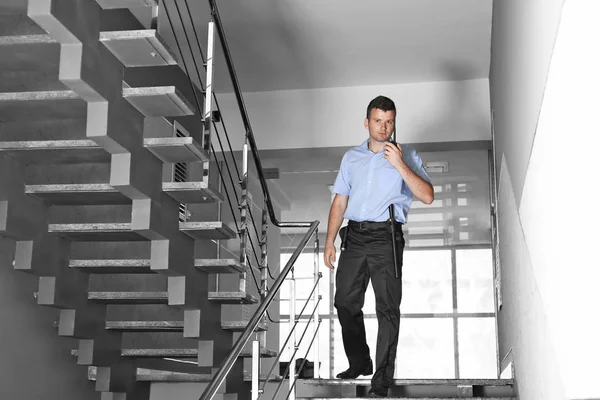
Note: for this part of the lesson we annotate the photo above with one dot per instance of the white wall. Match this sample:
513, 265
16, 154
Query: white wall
562, 231
427, 112
548, 233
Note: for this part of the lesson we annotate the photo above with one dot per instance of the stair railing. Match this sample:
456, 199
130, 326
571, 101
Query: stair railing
267, 295
244, 205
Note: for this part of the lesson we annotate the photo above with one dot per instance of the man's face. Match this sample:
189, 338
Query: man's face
380, 124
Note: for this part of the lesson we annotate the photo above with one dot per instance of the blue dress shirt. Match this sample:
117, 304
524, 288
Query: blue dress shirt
372, 184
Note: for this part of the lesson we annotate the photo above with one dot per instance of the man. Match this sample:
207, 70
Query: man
372, 176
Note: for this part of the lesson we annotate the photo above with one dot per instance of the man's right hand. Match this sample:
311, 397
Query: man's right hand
329, 255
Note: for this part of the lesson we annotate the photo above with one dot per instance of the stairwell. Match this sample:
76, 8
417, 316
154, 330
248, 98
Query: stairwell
98, 116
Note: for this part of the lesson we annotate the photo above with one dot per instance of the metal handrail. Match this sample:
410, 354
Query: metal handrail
227, 364
246, 120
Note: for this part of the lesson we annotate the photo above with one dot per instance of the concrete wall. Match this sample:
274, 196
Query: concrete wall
427, 112
36, 362
545, 119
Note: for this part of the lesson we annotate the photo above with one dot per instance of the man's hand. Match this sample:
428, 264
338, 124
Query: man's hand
329, 255
393, 153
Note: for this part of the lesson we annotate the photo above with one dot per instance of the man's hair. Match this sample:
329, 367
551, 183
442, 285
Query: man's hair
383, 103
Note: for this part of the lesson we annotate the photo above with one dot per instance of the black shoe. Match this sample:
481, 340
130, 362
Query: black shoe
350, 374
378, 391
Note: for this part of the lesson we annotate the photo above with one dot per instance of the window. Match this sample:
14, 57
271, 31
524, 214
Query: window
448, 326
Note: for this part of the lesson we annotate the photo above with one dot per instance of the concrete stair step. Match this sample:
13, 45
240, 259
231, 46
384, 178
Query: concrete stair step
105, 194
238, 326
405, 398
41, 105
159, 101
263, 377
78, 194
412, 382
175, 353
232, 298
16, 22
117, 4
153, 375
412, 388
21, 53
55, 152
219, 266
192, 192
142, 266
96, 232
170, 326
138, 48
129, 297
124, 266
121, 231
176, 149
207, 230
145, 326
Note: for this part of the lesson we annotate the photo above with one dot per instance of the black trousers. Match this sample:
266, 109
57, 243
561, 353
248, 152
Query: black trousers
369, 256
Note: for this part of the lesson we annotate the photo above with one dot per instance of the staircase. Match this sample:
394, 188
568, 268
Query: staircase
97, 114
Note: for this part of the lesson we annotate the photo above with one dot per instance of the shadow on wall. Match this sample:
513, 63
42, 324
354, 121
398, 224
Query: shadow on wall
457, 117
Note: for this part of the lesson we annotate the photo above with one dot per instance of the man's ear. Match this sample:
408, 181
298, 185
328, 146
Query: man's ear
367, 123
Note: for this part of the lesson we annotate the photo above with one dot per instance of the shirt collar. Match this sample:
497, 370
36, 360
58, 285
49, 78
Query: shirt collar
364, 147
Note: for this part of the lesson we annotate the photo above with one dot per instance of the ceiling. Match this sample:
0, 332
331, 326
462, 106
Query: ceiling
305, 44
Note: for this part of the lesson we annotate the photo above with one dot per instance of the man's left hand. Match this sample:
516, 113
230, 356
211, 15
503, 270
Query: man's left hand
393, 153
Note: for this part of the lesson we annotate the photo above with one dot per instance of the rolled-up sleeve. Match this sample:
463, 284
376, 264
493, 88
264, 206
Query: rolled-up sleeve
342, 181
416, 165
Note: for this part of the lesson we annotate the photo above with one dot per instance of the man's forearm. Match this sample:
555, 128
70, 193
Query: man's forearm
419, 187
336, 216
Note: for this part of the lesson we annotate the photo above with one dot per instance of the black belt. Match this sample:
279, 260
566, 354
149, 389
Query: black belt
371, 225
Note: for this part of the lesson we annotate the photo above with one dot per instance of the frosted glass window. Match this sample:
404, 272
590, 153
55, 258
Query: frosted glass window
427, 282
477, 348
425, 348
475, 286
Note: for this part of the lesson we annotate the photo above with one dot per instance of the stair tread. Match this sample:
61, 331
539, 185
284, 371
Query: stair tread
175, 353
219, 265
207, 230
41, 105
150, 297
105, 194
158, 101
408, 382
55, 151
129, 266
78, 194
153, 375
145, 325
240, 326
263, 377
112, 232
406, 398
176, 149
138, 48
232, 297
192, 192
112, 4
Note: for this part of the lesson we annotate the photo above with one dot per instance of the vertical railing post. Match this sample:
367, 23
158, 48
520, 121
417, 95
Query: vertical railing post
316, 318
293, 341
244, 218
255, 369
208, 117
264, 283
